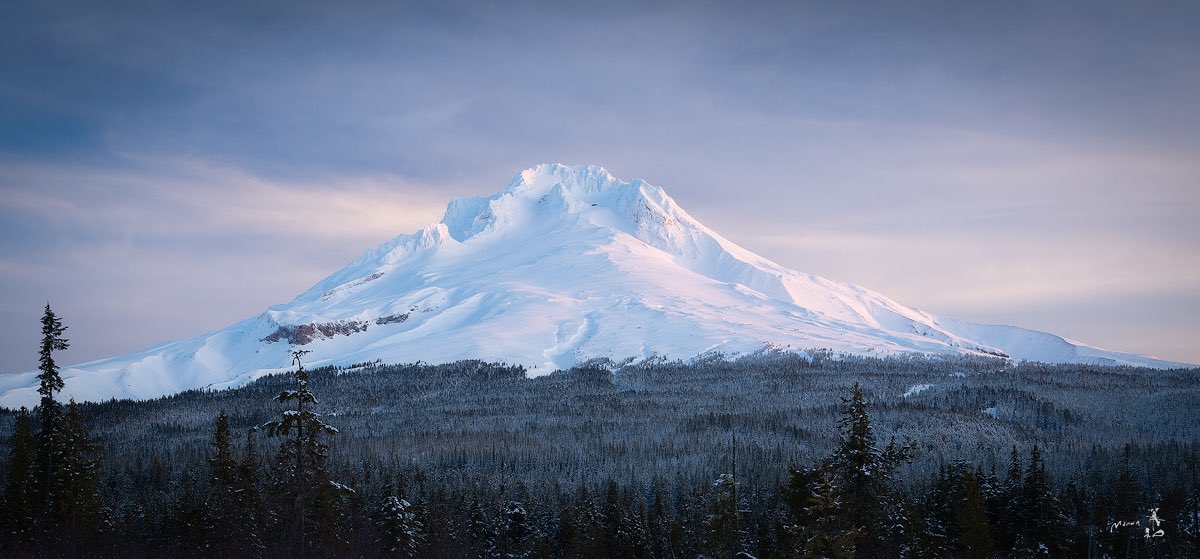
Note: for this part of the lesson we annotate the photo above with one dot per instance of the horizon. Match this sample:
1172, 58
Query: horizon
168, 172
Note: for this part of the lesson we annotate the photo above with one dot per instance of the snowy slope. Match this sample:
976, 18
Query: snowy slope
563, 265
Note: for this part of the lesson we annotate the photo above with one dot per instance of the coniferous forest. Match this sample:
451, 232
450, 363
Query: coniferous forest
771, 455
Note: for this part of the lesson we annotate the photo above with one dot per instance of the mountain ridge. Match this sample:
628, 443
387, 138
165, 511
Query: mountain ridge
565, 264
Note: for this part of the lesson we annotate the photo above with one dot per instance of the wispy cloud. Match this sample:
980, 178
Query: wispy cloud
177, 247
961, 157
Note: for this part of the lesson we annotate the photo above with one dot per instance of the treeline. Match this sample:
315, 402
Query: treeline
773, 455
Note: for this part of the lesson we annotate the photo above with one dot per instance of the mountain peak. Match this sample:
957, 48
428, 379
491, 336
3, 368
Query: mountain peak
554, 191
565, 264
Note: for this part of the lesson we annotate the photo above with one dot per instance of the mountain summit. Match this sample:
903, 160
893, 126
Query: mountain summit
567, 263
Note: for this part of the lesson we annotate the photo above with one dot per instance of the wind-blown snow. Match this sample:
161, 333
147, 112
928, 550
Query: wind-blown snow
563, 265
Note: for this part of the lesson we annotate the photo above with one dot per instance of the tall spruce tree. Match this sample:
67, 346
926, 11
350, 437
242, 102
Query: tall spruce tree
970, 516
19, 496
864, 477
49, 450
228, 530
77, 477
818, 528
400, 532
1040, 518
849, 505
300, 477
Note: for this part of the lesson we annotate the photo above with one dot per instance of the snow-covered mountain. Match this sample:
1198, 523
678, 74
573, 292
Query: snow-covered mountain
565, 264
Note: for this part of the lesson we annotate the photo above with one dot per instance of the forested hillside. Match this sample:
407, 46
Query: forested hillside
971, 458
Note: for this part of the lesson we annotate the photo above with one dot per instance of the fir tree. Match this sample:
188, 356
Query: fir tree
819, 528
224, 469
1040, 519
49, 452
1006, 504
864, 478
19, 496
251, 510
231, 524
974, 541
77, 476
516, 538
301, 479
189, 520
400, 532
723, 537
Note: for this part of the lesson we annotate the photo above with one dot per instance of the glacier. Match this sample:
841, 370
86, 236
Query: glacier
564, 265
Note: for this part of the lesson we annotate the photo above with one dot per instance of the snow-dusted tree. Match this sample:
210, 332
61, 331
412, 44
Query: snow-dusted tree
400, 532
224, 468
863, 478
77, 476
1041, 521
233, 509
49, 451
970, 516
516, 538
19, 497
300, 477
723, 535
1006, 503
818, 527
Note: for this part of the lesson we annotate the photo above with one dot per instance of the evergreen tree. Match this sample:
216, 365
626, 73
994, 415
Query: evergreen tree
1006, 504
77, 476
974, 541
819, 527
189, 519
481, 536
1126, 508
864, 481
245, 540
658, 526
224, 469
301, 479
400, 532
516, 538
723, 537
1040, 519
231, 525
19, 496
49, 451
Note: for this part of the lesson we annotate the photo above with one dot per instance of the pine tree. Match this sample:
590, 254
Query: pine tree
863, 477
1006, 505
1040, 519
49, 451
723, 538
251, 510
819, 527
1126, 508
188, 520
517, 538
19, 496
974, 542
77, 476
301, 479
400, 532
231, 523
224, 469
480, 535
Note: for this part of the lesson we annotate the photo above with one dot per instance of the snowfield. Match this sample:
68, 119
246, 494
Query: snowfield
564, 265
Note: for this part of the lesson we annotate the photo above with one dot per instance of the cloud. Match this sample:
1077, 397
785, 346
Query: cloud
208, 159
172, 248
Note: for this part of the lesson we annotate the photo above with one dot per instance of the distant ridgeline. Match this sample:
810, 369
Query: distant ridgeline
474, 440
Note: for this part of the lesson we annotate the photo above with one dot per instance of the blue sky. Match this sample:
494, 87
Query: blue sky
168, 168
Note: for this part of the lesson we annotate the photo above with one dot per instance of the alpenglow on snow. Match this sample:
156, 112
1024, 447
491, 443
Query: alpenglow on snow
566, 264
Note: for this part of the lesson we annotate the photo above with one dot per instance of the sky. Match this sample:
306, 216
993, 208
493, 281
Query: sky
169, 168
